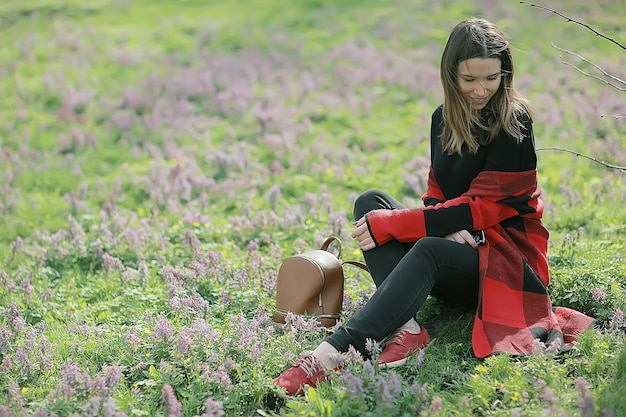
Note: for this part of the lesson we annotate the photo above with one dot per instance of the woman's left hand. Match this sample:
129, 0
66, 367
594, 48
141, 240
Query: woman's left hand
462, 236
363, 236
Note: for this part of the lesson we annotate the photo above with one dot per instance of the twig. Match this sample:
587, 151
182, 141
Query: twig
612, 116
582, 58
568, 19
606, 164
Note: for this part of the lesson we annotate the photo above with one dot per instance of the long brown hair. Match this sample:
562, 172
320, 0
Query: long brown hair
479, 38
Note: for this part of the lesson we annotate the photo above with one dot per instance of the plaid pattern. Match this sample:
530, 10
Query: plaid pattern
514, 306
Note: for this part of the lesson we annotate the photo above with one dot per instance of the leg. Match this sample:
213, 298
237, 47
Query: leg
431, 262
383, 259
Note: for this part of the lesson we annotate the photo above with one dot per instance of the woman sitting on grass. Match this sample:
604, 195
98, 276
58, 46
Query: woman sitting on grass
479, 241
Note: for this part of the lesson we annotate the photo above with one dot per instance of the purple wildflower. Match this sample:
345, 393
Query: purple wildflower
23, 361
586, 403
229, 363
420, 357
19, 324
548, 396
184, 342
368, 369
388, 389
217, 376
420, 391
39, 413
617, 320
191, 306
598, 295
163, 331
273, 196
13, 312
15, 394
372, 346
171, 406
212, 408
353, 384
224, 297
435, 405
16, 245
199, 268
72, 379
108, 407
111, 377
190, 240
132, 339
47, 295
111, 263
5, 366
42, 355
92, 407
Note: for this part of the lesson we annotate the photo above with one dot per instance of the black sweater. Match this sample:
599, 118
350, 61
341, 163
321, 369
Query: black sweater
454, 173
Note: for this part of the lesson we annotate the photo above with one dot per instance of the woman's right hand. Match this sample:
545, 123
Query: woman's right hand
363, 236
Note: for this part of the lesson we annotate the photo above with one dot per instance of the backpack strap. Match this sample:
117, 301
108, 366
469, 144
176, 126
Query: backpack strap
332, 239
357, 263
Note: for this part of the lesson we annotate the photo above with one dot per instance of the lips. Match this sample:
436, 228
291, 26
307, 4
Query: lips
479, 102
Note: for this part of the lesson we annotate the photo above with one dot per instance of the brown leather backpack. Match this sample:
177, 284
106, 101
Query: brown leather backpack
311, 284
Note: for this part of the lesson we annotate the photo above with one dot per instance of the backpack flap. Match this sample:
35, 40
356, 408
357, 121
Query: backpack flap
311, 284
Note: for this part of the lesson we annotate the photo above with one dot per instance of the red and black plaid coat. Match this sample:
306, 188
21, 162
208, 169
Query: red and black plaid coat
514, 308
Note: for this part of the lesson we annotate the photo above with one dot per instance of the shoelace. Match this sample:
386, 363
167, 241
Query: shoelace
392, 338
310, 365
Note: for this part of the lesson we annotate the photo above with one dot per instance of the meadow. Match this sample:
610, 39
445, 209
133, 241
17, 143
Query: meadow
160, 158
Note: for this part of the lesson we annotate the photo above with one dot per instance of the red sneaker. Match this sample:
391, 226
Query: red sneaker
401, 345
306, 371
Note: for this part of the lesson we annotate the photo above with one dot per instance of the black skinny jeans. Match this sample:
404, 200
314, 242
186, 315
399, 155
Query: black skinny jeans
405, 274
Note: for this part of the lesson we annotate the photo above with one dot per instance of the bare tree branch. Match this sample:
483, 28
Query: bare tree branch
612, 116
582, 58
617, 80
568, 19
606, 164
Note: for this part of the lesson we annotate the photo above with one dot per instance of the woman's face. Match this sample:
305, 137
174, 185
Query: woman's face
479, 79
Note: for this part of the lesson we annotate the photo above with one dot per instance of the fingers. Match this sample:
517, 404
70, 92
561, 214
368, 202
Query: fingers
467, 238
463, 237
367, 244
361, 227
362, 235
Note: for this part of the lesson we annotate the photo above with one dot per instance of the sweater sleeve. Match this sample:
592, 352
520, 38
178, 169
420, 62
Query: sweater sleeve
467, 212
506, 189
433, 194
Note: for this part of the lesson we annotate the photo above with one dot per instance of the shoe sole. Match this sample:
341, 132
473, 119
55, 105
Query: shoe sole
395, 364
398, 363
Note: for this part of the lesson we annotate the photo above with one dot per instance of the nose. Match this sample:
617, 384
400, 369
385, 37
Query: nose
479, 89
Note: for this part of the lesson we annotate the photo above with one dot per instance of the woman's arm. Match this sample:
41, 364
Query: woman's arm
508, 189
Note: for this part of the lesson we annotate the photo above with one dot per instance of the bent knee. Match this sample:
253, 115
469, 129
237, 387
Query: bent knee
430, 243
366, 202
